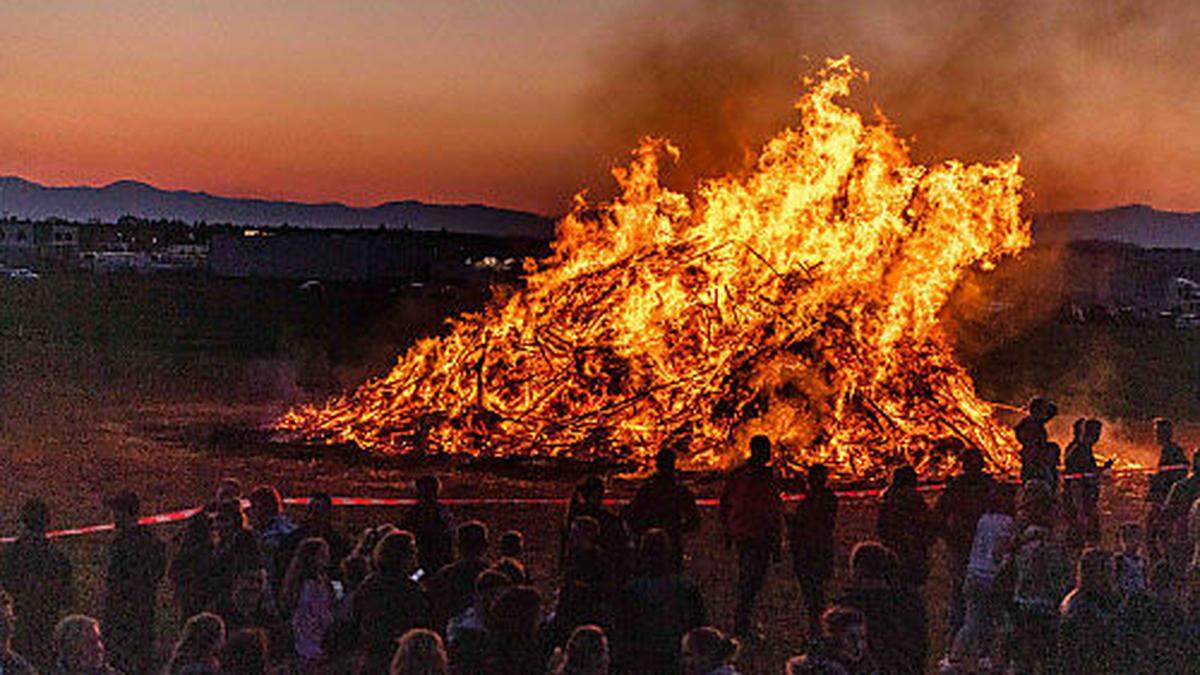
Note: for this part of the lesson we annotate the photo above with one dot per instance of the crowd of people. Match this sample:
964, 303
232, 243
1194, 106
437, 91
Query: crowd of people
1031, 588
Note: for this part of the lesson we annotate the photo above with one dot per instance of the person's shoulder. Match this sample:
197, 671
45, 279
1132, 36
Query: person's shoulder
15, 664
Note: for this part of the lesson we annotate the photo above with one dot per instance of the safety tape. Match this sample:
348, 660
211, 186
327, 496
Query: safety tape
184, 514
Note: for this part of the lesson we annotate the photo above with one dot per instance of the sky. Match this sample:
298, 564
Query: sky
522, 104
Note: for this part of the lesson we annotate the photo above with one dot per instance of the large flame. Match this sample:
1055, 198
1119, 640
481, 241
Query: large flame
800, 301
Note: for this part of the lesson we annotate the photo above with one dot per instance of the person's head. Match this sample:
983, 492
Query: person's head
1077, 428
245, 652
8, 619
355, 569
818, 476
1001, 498
654, 553
125, 506
472, 540
590, 491
1163, 579
587, 652
489, 585
78, 645
1094, 572
309, 563
511, 568
1091, 431
705, 649
872, 562
320, 509
760, 450
1042, 409
512, 544
847, 628
1130, 536
395, 555
229, 489
972, 460
202, 639
1163, 430
265, 504
420, 652
517, 613
904, 477
249, 583
229, 519
664, 461
35, 516
428, 488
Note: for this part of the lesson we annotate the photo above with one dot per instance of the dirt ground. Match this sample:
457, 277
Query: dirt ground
92, 405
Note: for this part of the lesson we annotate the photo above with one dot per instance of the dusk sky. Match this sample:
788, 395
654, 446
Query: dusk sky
521, 104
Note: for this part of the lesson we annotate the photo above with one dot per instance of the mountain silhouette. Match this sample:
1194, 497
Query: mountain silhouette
1135, 224
25, 199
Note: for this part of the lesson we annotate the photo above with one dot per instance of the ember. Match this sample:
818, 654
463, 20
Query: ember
800, 300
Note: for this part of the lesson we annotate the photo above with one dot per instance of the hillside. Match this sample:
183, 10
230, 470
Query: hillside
25, 199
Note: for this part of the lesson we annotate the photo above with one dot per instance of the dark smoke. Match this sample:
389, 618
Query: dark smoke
1092, 95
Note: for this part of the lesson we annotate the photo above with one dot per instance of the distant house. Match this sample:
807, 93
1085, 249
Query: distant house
26, 243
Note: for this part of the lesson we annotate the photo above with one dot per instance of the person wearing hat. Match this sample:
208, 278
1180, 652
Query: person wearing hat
136, 564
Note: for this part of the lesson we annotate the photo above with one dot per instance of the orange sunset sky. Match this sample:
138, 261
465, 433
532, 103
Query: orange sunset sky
520, 104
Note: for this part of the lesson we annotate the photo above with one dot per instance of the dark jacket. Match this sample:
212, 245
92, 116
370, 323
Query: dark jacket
958, 511
1087, 630
903, 525
1153, 636
384, 609
452, 590
663, 503
41, 582
614, 540
896, 626
137, 561
339, 548
810, 533
430, 525
13, 663
654, 615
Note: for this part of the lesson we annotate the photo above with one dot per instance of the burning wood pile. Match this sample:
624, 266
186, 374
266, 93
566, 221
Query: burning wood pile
800, 300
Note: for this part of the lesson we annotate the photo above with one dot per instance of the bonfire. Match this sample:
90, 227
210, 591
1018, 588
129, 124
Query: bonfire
798, 300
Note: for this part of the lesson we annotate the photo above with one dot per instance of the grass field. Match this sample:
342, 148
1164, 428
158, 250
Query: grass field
109, 382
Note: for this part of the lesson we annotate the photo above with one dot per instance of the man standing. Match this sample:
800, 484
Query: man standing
810, 536
136, 563
752, 511
956, 513
664, 503
1172, 468
40, 579
1039, 457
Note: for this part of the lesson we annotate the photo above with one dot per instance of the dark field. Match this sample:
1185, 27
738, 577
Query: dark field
150, 382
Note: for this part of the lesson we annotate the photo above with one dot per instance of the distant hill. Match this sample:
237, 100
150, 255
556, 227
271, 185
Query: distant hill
1135, 224
25, 199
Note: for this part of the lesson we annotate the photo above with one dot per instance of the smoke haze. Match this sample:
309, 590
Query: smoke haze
1099, 99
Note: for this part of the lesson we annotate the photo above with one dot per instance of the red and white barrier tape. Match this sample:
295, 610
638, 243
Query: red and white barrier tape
184, 514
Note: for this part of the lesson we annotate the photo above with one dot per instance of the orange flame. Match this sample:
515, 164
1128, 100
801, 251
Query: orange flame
800, 301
